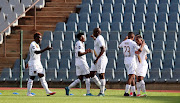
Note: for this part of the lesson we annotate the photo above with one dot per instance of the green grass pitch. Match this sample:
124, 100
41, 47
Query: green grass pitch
111, 96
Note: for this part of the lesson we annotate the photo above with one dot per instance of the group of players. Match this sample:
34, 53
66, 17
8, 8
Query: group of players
135, 55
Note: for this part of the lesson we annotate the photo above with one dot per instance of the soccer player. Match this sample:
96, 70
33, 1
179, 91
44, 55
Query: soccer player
142, 67
82, 68
35, 66
129, 48
100, 60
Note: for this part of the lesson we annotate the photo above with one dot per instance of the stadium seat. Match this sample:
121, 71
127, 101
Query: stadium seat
148, 35
58, 35
129, 17
44, 63
84, 17
120, 1
114, 36
114, 43
83, 26
48, 35
176, 77
4, 25
26, 3
17, 64
140, 17
117, 17
120, 75
93, 25
68, 45
96, 8
106, 17
72, 74
141, 8
25, 75
109, 75
170, 45
174, 17
98, 1
162, 17
19, 9
168, 63
14, 2
109, 1
62, 74
87, 2
172, 36
15, 75
161, 26
105, 26
150, 26
151, 17
173, 27
73, 17
120, 61
166, 75
53, 63
105, 34
107, 8
130, 8
118, 8
164, 8
152, 8
45, 43
123, 35
95, 18
6, 9
86, 8
45, 55
174, 7
69, 36
175, 1
64, 63
177, 63
160, 36
127, 26
55, 55
159, 45
153, 1
11, 17
111, 63
169, 54
66, 55
51, 74
71, 26
138, 26
116, 26
154, 75
112, 54
6, 74
156, 62
3, 3
60, 26
142, 1
2, 17
90, 44
40, 4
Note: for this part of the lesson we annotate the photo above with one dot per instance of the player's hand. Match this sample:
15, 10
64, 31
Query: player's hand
93, 37
143, 43
49, 48
88, 50
95, 61
26, 66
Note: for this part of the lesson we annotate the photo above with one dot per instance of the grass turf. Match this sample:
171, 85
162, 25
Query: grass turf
111, 96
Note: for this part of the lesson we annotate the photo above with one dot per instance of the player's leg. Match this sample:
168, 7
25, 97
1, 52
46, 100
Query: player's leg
103, 83
95, 78
88, 85
142, 85
138, 86
29, 85
44, 84
133, 85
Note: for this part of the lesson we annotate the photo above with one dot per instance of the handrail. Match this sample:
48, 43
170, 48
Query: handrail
20, 16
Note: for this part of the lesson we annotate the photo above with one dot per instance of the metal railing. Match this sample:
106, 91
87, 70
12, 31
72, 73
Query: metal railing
3, 32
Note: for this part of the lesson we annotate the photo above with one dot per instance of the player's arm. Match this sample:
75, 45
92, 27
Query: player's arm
83, 53
93, 37
100, 54
141, 48
43, 50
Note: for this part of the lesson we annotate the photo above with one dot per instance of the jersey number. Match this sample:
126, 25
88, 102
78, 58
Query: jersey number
127, 51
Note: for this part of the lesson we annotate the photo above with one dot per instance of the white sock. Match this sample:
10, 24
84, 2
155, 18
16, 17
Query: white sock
133, 89
96, 81
88, 85
142, 83
127, 88
44, 84
29, 86
138, 87
73, 84
102, 87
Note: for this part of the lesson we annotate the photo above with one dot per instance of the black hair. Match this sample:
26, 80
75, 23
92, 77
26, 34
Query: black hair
130, 35
37, 34
79, 35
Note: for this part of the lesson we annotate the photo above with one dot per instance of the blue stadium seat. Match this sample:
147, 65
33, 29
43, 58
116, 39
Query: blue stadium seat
114, 36
58, 35
142, 1
112, 54
17, 64
129, 17
44, 63
84, 17
60, 26
176, 77
25, 75
175, 1
164, 2
120, 61
106, 17
173, 27
57, 45
150, 26
163, 8
69, 36
73, 17
116, 26
130, 8
138, 26
93, 25
6, 74
152, 8
117, 17
72, 74
174, 17
174, 7
96, 17
96, 8
107, 8
160, 36
66, 55
64, 63
87, 2
166, 75
172, 36
109, 75
177, 63
158, 45
163, 17
148, 35
168, 63
157, 55
105, 26
98, 1
45, 55
83, 26
109, 1
111, 63
120, 75
131, 1
62, 74
161, 26
170, 45
71, 26
55, 55
115, 45
153, 1
86, 8
53, 63
140, 17
141, 8
118, 8
120, 1
120, 56
154, 75
48, 35
45, 43
151, 17
170, 54
149, 44
127, 26
90, 44
51, 74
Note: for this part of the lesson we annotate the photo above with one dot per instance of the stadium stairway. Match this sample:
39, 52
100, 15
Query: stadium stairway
47, 17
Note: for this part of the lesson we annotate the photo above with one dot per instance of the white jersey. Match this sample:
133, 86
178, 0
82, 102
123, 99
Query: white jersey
142, 55
98, 43
129, 47
79, 47
35, 59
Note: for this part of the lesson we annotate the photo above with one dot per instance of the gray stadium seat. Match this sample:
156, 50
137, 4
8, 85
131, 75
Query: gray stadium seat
120, 1
53, 63
19, 9
95, 18
174, 7
40, 4
11, 17
66, 55
25, 75
107, 8
3, 3
60, 26
142, 1
177, 65
120, 56
160, 36
148, 35
152, 8
120, 61
111, 63
141, 8
138, 26
26, 3
72, 74
17, 64
170, 45
68, 45
96, 8
69, 36
55, 55
130, 8
98, 1
114, 43
140, 17
149, 44
48, 35
105, 26
62, 74
131, 1
154, 75
158, 45
83, 26
120, 75
161, 26
109, 75
45, 43
123, 35
64, 63
51, 74
166, 75
151, 17
127, 26
116, 26
153, 1
86, 8
58, 35
15, 75
90, 44
106, 17
87, 2
73, 17
174, 17
170, 55
6, 74
163, 17
45, 55
6, 9
4, 25
112, 54
171, 36
93, 25
14, 2
117, 17
156, 63
175, 1
129, 17
44, 63
150, 26
109, 1
163, 8
2, 17
118, 8
168, 63
173, 27
71, 26
176, 76
164, 2
105, 34
114, 36
84, 17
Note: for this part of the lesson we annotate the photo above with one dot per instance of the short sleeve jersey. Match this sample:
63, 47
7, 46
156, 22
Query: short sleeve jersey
129, 48
143, 54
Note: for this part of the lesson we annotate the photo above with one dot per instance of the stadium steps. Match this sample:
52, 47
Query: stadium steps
47, 18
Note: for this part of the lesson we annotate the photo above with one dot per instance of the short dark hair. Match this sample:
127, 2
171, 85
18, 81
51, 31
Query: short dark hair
130, 35
37, 34
139, 36
79, 35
